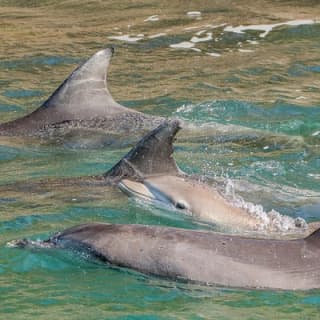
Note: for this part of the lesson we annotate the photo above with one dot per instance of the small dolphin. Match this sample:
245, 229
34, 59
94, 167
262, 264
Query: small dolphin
200, 256
150, 172
82, 101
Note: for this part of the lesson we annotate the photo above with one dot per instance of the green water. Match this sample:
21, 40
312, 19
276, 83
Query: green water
269, 85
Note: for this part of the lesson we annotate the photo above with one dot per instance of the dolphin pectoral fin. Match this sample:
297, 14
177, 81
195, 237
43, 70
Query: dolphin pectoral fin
153, 155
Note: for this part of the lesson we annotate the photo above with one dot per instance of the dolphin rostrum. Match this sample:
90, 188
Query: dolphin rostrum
82, 101
200, 256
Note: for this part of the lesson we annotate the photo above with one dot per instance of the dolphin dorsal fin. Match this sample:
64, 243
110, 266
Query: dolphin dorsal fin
314, 238
84, 94
153, 155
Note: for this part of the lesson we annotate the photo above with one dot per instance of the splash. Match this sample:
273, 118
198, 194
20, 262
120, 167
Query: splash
128, 38
152, 18
272, 220
194, 14
182, 45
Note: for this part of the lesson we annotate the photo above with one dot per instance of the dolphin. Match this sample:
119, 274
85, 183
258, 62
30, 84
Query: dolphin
83, 109
149, 172
82, 101
199, 256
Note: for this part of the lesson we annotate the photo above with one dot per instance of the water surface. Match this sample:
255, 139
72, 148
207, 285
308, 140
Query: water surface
248, 65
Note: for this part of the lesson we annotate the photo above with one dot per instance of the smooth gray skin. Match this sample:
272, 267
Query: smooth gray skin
200, 256
82, 101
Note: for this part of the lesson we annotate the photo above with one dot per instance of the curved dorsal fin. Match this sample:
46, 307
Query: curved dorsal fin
153, 155
84, 94
314, 238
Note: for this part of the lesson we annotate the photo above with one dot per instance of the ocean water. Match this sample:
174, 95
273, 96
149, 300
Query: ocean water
249, 68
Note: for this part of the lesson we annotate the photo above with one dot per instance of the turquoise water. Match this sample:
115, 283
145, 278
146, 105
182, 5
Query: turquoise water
262, 92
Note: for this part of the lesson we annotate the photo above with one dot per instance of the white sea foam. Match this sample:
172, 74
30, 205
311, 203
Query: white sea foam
194, 14
128, 38
196, 39
245, 50
152, 18
185, 108
267, 28
153, 36
193, 28
252, 41
199, 33
213, 54
314, 175
182, 45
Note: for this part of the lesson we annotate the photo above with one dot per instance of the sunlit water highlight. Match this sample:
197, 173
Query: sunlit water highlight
251, 67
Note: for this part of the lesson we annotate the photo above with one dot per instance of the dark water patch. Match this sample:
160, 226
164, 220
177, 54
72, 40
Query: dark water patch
22, 94
8, 153
309, 211
300, 69
25, 3
232, 79
255, 71
7, 200
142, 317
313, 300
162, 42
10, 108
286, 33
27, 63
73, 214
231, 39
20, 223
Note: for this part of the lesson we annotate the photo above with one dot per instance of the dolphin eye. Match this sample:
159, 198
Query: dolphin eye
180, 204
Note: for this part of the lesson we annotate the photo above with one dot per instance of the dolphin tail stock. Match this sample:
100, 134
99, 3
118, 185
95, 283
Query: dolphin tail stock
151, 156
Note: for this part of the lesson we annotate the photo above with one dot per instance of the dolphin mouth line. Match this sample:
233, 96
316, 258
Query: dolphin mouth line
124, 187
141, 191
